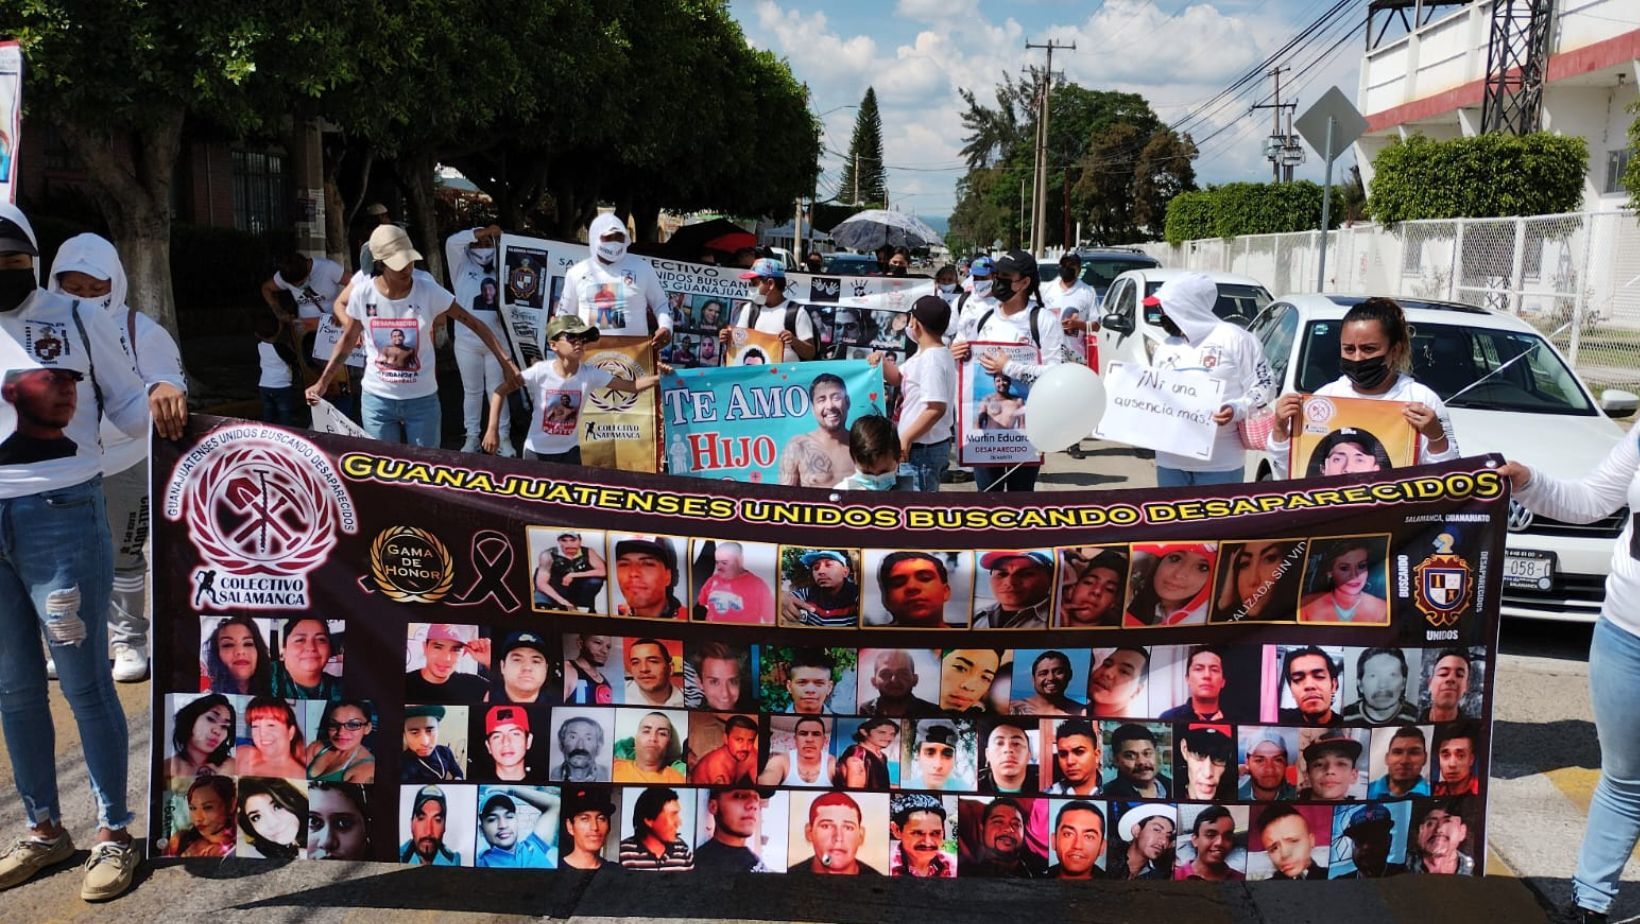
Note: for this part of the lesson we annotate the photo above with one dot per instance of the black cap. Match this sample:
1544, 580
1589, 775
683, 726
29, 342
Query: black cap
13, 239
933, 313
1015, 261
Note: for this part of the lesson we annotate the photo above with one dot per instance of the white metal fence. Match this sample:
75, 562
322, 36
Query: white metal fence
1575, 276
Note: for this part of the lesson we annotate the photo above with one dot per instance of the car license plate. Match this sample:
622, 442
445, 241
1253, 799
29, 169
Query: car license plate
1527, 569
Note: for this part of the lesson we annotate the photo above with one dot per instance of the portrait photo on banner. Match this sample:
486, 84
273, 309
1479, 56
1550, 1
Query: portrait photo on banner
733, 581
991, 408
569, 571
1340, 436
1093, 586
917, 589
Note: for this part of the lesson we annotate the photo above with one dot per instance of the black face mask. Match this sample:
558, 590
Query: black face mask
1365, 373
1067, 274
1002, 289
15, 286
1173, 330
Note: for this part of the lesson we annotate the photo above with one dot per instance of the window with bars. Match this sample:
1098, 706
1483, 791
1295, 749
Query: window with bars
1617, 163
261, 191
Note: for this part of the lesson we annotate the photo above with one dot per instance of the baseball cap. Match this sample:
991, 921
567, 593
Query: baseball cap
981, 267
933, 313
506, 715
499, 800
1333, 741
995, 559
524, 640
13, 239
1151, 301
652, 545
765, 268
13, 375
424, 712
444, 632
587, 799
810, 558
1272, 737
375, 208
429, 793
1016, 261
939, 733
389, 244
570, 324
81, 265
1368, 815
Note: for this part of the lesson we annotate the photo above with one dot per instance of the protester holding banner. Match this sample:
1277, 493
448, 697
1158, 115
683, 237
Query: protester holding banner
1614, 664
88, 267
1199, 340
395, 313
1375, 352
769, 311
615, 291
558, 387
64, 370
928, 386
469, 258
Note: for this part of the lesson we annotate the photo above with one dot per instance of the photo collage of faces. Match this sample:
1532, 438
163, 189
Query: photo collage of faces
696, 320
1334, 580
268, 759
844, 333
1257, 761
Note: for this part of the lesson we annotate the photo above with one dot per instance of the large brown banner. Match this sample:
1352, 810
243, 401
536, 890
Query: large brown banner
376, 652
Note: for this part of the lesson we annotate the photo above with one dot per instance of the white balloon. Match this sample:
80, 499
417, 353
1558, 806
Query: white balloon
1064, 405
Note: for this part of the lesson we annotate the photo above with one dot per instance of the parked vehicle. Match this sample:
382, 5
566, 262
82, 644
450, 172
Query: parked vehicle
1101, 266
1126, 335
851, 264
1528, 406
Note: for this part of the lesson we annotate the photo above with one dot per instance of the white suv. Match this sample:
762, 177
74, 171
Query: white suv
1531, 407
1127, 335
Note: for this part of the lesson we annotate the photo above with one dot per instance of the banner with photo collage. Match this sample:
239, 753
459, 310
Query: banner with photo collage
369, 651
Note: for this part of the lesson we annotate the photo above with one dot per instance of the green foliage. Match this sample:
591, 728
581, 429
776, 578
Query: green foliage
1631, 176
865, 180
775, 661
1486, 176
1249, 208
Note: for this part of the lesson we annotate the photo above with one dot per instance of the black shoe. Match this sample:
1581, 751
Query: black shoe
1576, 915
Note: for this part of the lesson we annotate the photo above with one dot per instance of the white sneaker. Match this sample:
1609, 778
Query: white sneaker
507, 451
470, 444
51, 668
130, 664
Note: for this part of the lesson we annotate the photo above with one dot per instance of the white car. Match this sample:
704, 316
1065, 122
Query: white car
1532, 408
1127, 335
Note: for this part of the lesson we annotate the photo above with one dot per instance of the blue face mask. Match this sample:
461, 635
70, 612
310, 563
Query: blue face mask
864, 482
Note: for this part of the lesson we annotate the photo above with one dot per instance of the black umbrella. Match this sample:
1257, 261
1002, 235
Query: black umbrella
718, 234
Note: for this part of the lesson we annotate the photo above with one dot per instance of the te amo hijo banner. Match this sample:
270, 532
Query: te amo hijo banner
370, 651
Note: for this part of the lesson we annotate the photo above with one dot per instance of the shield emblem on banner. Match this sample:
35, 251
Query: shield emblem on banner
1445, 585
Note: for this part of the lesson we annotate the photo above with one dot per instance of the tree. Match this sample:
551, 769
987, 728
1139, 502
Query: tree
865, 181
1486, 176
1631, 175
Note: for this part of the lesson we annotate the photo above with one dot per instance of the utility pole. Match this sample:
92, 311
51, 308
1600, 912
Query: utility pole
1277, 141
856, 178
1039, 198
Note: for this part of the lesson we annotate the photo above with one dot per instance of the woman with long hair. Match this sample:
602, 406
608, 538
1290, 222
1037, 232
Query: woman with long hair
1343, 595
1176, 588
202, 735
305, 651
337, 753
1259, 581
236, 659
210, 831
271, 817
338, 827
276, 740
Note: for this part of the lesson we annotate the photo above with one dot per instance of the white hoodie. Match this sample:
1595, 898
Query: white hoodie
1223, 351
148, 344
42, 333
467, 277
614, 297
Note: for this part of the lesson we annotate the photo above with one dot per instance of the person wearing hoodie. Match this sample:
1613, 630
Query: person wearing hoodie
614, 291
395, 311
1199, 341
470, 258
62, 369
88, 268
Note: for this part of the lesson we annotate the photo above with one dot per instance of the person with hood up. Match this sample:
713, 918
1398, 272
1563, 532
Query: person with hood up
88, 268
614, 291
470, 258
63, 370
1199, 341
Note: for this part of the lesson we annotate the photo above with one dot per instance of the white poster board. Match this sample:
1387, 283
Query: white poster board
1162, 409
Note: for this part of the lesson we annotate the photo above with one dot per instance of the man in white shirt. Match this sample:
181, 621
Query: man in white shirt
769, 311
1073, 300
615, 291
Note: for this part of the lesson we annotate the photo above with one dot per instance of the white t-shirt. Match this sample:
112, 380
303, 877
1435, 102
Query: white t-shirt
1406, 388
467, 278
772, 320
275, 371
1233, 356
1075, 302
398, 336
987, 324
558, 403
157, 360
614, 297
929, 376
61, 448
316, 294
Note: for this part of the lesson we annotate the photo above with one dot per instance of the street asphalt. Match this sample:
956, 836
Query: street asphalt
1544, 768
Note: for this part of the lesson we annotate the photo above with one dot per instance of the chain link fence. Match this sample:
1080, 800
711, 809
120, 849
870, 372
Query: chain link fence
1575, 277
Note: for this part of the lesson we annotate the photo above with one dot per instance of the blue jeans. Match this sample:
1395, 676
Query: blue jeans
401, 420
930, 460
1179, 478
279, 405
567, 457
1614, 812
1003, 478
51, 544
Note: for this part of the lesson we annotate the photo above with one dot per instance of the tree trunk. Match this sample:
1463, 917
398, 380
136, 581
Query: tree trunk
130, 173
646, 215
415, 173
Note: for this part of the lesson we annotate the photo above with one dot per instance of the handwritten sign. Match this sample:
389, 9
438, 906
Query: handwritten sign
1161, 409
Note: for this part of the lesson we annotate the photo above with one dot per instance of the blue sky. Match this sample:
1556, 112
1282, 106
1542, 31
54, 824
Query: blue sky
918, 53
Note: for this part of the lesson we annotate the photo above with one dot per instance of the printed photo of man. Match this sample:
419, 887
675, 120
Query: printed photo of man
646, 574
45, 401
1331, 766
820, 457
825, 594
1370, 831
1447, 686
1143, 848
657, 842
655, 745
893, 677
1405, 759
588, 812
1206, 753
809, 762
1457, 745
586, 660
732, 763
1137, 759
736, 815
941, 757
425, 760
718, 676
507, 741
581, 745
1212, 842
1007, 766
1442, 829
1051, 675
835, 832
1267, 753
524, 670
570, 574
649, 675
1311, 679
919, 828
431, 842
508, 846
1077, 756
1289, 842
915, 588
439, 678
1381, 689
1117, 683
1094, 586
1021, 587
731, 593
808, 679
1078, 840
1004, 850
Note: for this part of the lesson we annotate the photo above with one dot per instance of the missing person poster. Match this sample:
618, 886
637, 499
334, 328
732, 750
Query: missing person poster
748, 347
786, 423
1337, 436
424, 657
1161, 409
617, 429
11, 116
991, 408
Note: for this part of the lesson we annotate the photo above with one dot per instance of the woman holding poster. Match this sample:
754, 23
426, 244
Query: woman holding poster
1375, 352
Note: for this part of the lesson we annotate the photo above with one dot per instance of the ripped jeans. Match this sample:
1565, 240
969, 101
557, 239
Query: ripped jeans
56, 576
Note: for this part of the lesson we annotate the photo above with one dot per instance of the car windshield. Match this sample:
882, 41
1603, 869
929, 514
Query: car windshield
1237, 304
1517, 370
1099, 272
851, 265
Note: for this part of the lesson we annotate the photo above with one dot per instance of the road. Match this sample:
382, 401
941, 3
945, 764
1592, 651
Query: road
1544, 767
